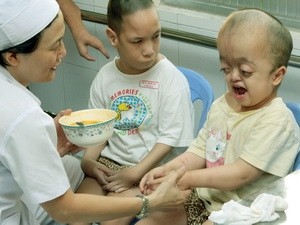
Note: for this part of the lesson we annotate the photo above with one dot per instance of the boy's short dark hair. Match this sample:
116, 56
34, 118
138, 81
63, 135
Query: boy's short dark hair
117, 9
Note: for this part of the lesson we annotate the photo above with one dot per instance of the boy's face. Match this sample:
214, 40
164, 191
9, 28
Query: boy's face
138, 43
250, 76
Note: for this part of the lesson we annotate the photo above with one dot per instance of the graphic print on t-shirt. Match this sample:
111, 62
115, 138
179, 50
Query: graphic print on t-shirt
215, 148
131, 111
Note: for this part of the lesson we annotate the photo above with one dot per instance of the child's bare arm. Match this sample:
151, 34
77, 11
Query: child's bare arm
90, 164
188, 160
124, 179
226, 177
158, 153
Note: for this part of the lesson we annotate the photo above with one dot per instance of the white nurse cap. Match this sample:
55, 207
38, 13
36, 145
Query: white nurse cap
21, 20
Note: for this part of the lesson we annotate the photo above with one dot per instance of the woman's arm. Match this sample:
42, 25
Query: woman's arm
72, 207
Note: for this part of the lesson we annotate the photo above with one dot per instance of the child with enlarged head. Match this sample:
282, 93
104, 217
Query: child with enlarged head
250, 137
37, 176
150, 96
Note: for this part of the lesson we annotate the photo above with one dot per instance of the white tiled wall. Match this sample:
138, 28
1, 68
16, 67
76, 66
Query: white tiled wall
71, 86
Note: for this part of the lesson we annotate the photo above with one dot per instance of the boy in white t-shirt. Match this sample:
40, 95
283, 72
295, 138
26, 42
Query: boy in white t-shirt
250, 137
151, 98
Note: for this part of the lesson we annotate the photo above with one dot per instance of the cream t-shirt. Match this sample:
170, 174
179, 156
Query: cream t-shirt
267, 138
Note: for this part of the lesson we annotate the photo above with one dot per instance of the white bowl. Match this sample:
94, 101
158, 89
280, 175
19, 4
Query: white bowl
98, 126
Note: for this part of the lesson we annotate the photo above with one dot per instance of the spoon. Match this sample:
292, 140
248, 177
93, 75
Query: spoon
80, 124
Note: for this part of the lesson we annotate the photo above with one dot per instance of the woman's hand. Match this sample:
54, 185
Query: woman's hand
167, 195
63, 145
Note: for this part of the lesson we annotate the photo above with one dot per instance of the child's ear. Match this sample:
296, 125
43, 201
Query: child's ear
279, 75
112, 37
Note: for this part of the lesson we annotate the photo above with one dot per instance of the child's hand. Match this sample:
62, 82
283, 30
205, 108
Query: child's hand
100, 172
95, 169
121, 180
152, 179
183, 184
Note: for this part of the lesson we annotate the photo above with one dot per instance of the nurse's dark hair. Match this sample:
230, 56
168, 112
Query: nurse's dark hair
26, 47
278, 39
117, 9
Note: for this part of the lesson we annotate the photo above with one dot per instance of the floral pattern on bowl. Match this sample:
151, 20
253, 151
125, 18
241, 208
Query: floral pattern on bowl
92, 134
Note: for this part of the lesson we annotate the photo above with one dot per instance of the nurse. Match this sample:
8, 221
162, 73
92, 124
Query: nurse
37, 177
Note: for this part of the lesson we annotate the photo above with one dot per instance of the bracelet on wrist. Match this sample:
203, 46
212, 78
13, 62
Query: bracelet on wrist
145, 207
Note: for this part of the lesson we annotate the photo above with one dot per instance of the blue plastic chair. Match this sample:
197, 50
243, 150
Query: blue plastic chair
295, 108
200, 90
297, 163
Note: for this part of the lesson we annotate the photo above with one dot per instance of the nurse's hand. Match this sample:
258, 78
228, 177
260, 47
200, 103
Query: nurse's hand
167, 195
64, 147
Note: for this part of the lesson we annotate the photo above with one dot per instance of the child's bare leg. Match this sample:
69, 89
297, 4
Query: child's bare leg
125, 220
208, 222
91, 186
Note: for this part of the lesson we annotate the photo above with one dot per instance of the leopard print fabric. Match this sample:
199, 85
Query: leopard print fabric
112, 164
195, 210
